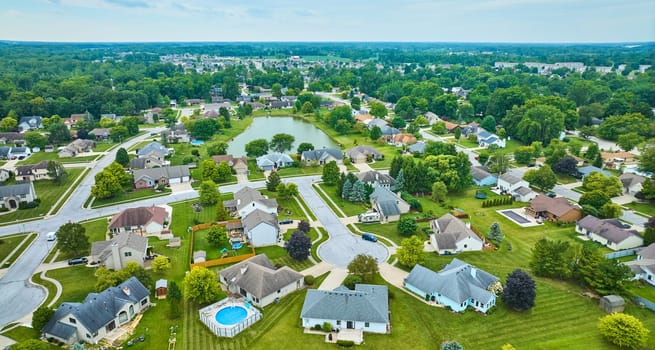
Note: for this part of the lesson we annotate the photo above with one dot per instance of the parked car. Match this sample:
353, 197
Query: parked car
52, 236
78, 261
286, 222
551, 194
369, 237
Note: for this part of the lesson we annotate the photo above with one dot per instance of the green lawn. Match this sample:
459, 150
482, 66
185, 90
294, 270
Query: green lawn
389, 230
95, 229
349, 208
300, 171
315, 245
52, 289
646, 208
21, 333
565, 179
9, 243
131, 196
48, 192
464, 142
77, 281
39, 156
200, 243
279, 256
254, 172
290, 208
102, 146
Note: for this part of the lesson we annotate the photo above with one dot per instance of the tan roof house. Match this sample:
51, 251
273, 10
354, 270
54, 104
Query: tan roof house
115, 253
145, 221
553, 209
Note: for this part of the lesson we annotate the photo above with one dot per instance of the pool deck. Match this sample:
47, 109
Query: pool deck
521, 212
208, 317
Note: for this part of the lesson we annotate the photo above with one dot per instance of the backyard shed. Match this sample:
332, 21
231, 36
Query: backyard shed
612, 303
161, 286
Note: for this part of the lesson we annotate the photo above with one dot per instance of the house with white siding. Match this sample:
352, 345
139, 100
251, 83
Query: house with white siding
451, 235
261, 228
644, 266
609, 232
246, 200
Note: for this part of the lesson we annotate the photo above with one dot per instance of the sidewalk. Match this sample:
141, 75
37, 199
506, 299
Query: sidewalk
317, 269
334, 279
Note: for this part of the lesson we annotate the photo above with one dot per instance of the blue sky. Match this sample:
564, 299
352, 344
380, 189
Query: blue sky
331, 20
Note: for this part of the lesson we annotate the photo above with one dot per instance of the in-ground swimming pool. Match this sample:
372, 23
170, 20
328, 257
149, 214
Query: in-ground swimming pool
230, 315
197, 142
514, 216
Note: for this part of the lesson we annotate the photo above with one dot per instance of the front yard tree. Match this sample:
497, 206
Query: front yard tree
208, 192
201, 285
161, 263
223, 172
305, 146
209, 170
217, 236
304, 226
273, 181
346, 189
351, 280
623, 330
407, 226
256, 148
73, 240
543, 178
365, 266
439, 192
611, 185
375, 133
281, 142
299, 246
358, 192
495, 234
41, 317
378, 109
122, 157
519, 292
331, 173
106, 186
567, 166
596, 199
411, 252
57, 172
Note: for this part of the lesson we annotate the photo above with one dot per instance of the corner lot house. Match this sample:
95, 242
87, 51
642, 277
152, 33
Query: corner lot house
388, 204
33, 172
553, 209
274, 161
144, 221
366, 308
322, 156
247, 200
260, 281
261, 228
632, 183
609, 232
361, 154
153, 177
12, 195
76, 147
452, 235
115, 253
457, 286
644, 266
99, 314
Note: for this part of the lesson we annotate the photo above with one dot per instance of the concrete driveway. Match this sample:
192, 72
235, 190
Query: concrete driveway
343, 245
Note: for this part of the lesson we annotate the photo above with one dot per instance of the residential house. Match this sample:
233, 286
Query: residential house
586, 170
12, 138
75, 118
33, 172
431, 117
516, 187
114, 117
30, 123
281, 104
457, 286
644, 266
115, 253
450, 127
153, 177
418, 147
380, 123
553, 209
146, 163
144, 221
19, 152
322, 156
4, 175
101, 133
362, 118
451, 235
239, 165
388, 204
401, 139
614, 160
482, 177
471, 128
261, 228
366, 308
247, 200
376, 179
76, 147
177, 134
12, 195
609, 232
273, 161
388, 133
361, 154
153, 150
632, 183
260, 281
99, 314
486, 139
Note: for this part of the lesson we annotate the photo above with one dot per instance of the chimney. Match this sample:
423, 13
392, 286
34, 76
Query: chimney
126, 290
116, 256
468, 225
244, 269
376, 176
473, 272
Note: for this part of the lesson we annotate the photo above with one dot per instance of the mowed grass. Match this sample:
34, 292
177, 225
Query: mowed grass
22, 333
290, 208
48, 192
9, 243
280, 257
645, 208
77, 281
94, 229
349, 208
129, 196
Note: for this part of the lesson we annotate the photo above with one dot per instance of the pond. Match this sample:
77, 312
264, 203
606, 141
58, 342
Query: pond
266, 127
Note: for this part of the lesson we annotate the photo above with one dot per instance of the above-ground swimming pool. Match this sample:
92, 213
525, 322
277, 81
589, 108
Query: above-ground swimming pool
197, 142
230, 315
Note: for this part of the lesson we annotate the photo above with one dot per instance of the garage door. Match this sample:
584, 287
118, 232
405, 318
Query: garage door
174, 180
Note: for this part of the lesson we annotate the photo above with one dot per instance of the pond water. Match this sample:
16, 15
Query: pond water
266, 127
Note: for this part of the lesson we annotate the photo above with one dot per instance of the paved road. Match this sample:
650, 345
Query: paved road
343, 245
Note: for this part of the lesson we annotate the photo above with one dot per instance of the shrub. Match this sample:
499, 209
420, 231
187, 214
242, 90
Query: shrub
327, 327
345, 343
317, 327
309, 280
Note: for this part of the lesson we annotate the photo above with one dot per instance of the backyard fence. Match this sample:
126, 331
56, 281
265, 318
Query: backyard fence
620, 253
221, 261
646, 303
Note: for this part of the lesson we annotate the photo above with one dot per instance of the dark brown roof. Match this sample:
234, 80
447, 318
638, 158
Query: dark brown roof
556, 206
138, 217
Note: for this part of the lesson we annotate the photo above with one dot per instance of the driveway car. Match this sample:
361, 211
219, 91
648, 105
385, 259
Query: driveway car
78, 261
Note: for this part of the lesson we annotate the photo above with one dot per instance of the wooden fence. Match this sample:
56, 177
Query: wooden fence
216, 262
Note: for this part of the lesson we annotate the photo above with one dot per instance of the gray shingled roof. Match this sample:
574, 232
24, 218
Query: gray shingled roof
322, 154
15, 190
611, 230
258, 216
98, 309
258, 276
630, 179
246, 195
458, 281
365, 150
511, 179
375, 176
648, 252
153, 146
367, 303
452, 230
176, 171
479, 173
102, 249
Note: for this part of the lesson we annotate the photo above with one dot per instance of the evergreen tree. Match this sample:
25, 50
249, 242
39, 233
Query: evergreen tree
299, 246
122, 157
399, 185
347, 189
495, 233
358, 192
396, 165
273, 181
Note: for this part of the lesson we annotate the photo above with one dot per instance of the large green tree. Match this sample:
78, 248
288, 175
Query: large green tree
72, 239
543, 178
281, 142
331, 173
257, 148
122, 157
201, 285
208, 192
411, 251
364, 266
